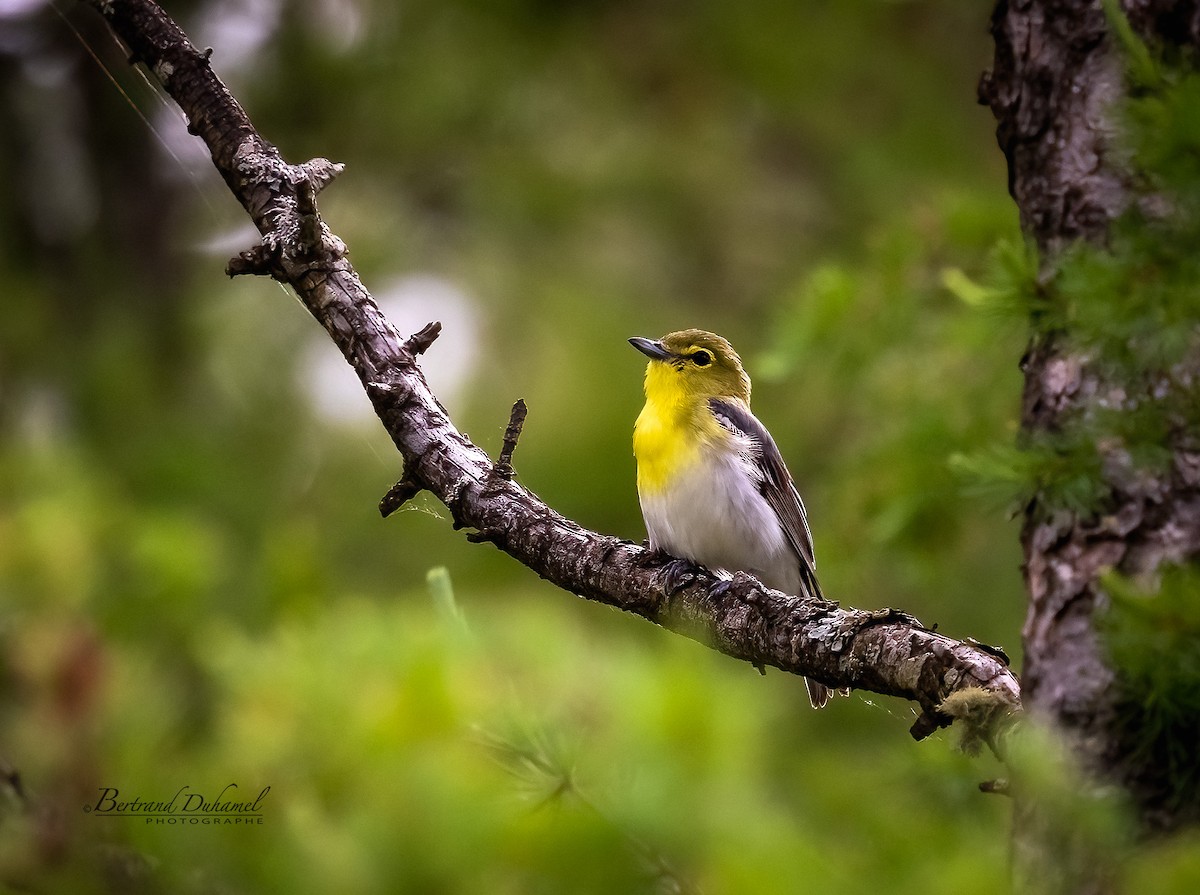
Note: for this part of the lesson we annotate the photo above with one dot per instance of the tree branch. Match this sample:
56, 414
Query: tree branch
884, 651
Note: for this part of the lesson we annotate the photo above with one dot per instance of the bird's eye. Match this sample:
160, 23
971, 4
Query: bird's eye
701, 358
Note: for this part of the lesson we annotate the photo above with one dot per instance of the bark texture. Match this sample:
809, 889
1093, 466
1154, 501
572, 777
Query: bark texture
1055, 78
1051, 84
882, 651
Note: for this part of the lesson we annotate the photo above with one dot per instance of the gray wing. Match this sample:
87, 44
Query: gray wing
777, 486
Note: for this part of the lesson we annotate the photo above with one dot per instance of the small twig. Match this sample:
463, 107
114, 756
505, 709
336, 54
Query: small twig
318, 172
419, 342
399, 494
996, 651
927, 722
486, 537
997, 787
259, 261
11, 777
516, 420
453, 502
309, 236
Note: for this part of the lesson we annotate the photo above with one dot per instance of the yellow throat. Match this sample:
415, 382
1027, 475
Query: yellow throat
686, 369
669, 432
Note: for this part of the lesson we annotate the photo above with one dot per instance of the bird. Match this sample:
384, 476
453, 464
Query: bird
711, 482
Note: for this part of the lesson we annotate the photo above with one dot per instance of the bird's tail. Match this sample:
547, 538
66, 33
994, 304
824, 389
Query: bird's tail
808, 579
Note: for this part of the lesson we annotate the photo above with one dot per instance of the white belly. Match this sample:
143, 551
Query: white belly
713, 514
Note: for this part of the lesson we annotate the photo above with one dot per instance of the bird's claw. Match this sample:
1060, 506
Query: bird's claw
677, 574
718, 590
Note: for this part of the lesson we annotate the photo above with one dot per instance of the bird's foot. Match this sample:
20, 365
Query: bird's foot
718, 590
677, 574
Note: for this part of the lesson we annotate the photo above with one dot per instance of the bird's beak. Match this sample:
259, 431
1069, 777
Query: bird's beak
652, 349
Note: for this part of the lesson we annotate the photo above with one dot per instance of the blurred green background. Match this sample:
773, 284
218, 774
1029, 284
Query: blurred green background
195, 584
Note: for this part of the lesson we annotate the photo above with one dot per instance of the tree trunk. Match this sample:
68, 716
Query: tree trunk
1057, 73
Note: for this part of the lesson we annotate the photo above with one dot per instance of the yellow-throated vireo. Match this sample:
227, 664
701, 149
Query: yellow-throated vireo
712, 484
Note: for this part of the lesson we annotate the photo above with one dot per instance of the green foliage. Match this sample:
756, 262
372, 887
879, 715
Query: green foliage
1153, 637
1134, 302
1059, 472
1171, 867
1081, 835
921, 378
1011, 288
1129, 307
1139, 63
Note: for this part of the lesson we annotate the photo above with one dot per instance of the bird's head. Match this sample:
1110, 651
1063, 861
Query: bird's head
692, 365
